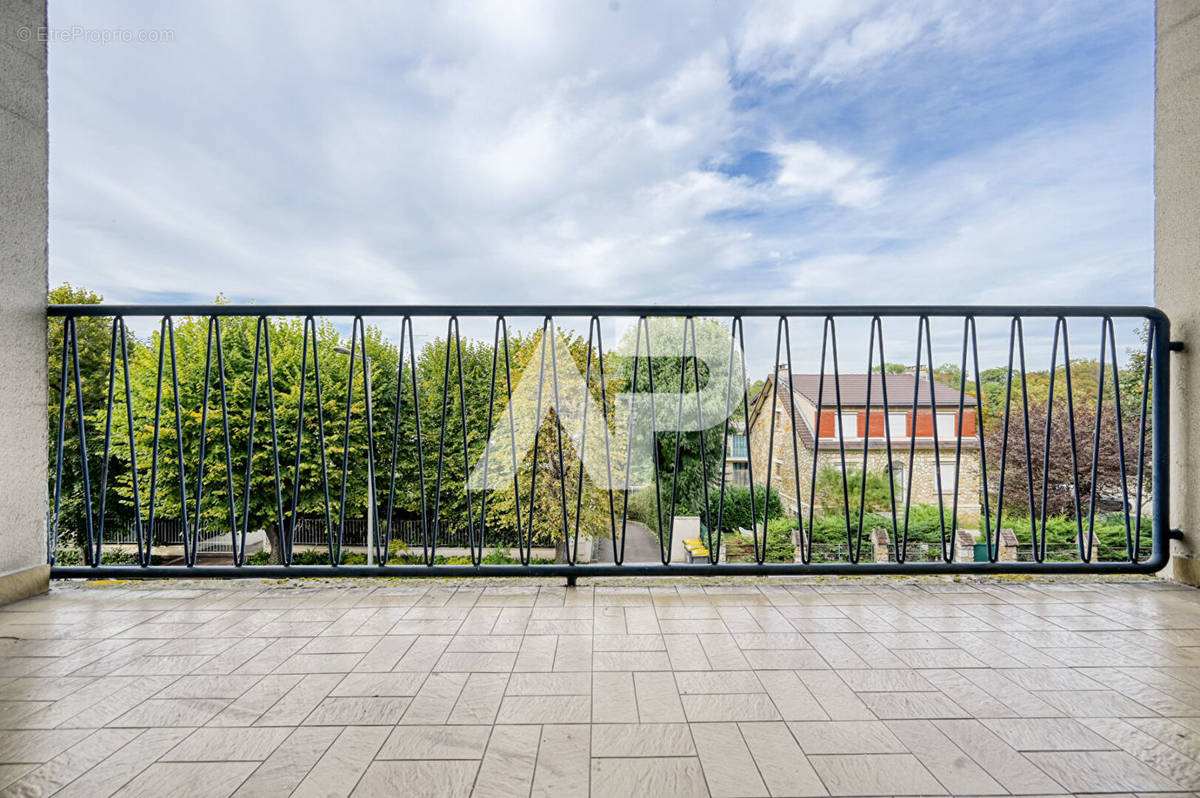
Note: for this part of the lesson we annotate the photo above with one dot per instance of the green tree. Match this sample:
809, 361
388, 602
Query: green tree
93, 339
258, 501
674, 371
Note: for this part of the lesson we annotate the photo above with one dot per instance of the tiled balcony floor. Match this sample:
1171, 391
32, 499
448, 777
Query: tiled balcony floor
856, 687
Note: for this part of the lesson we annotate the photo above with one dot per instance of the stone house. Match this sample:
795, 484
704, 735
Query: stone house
819, 428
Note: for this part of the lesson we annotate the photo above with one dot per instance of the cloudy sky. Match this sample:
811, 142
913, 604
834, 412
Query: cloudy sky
845, 151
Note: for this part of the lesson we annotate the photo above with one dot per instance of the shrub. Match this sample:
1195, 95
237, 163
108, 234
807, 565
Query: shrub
642, 507
831, 492
737, 512
75, 557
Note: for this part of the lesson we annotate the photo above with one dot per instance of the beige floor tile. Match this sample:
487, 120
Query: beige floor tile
846, 737
484, 643
9, 774
684, 653
37, 745
1047, 734
957, 772
422, 655
641, 739
319, 663
477, 662
201, 780
781, 764
556, 709
1094, 704
631, 660
1183, 770
343, 763
228, 745
67, 766
1015, 772
118, 769
509, 762
480, 698
287, 766
573, 653
1100, 771
436, 742
436, 699
912, 705
298, 702
885, 680
728, 766
723, 653
549, 684
718, 682
164, 712
245, 710
345, 644
563, 762
728, 707
400, 683
358, 711
837, 700
665, 778
209, 686
416, 779
613, 697
629, 642
386, 653
791, 697
537, 653
938, 658
880, 774
657, 697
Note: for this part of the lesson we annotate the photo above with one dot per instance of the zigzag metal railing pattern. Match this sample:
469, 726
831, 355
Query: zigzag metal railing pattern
1152, 419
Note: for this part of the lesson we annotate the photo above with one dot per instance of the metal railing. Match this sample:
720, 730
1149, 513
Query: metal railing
256, 417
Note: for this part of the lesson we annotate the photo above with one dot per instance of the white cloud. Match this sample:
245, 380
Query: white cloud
807, 169
560, 153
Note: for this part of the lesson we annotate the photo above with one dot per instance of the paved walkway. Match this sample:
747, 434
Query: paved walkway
641, 545
858, 687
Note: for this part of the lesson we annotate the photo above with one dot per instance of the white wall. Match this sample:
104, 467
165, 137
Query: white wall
1177, 258
23, 276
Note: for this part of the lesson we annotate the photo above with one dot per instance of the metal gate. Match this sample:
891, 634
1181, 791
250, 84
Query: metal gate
550, 440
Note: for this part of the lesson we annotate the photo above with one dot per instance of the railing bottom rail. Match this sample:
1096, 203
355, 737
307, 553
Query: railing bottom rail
629, 569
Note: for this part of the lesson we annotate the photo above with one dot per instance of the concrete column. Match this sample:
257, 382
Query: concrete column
1177, 259
23, 286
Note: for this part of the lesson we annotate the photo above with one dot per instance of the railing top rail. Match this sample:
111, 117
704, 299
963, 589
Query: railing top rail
605, 310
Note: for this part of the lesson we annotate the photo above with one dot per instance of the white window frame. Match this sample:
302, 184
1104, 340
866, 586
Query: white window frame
895, 420
945, 424
947, 472
847, 425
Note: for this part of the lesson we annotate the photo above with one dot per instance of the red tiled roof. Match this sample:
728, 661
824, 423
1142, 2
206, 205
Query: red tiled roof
854, 390
854, 394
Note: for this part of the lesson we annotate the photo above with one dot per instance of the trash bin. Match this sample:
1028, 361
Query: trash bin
981, 552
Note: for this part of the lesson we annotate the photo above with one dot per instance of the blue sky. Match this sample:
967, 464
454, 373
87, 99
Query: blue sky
814, 152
